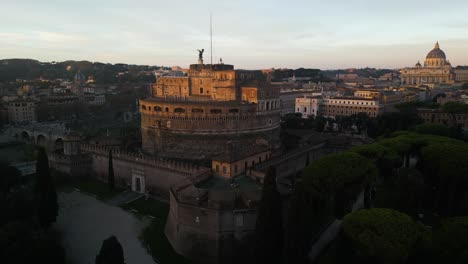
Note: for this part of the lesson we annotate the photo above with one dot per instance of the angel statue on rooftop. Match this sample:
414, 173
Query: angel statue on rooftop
200, 53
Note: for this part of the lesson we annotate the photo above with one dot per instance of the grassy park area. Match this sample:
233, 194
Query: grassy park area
153, 235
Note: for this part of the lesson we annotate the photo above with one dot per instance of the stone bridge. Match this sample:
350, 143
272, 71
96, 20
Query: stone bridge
49, 135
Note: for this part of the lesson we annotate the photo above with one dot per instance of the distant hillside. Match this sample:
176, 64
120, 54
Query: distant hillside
364, 72
315, 74
12, 69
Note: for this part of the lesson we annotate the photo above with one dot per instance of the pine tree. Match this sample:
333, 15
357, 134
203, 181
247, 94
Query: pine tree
111, 179
298, 231
111, 252
270, 178
269, 226
46, 194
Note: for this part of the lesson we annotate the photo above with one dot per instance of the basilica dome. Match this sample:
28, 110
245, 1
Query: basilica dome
79, 77
436, 53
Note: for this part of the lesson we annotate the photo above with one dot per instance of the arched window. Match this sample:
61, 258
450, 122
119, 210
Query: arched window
197, 110
157, 109
215, 111
179, 110
267, 105
234, 110
143, 107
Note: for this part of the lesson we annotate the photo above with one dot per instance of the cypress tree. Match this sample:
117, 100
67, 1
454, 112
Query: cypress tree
111, 252
270, 178
298, 233
269, 225
110, 178
46, 194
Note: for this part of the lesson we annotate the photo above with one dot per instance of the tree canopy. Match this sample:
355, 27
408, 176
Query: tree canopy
432, 129
46, 194
451, 241
269, 225
455, 107
446, 167
334, 172
383, 234
340, 177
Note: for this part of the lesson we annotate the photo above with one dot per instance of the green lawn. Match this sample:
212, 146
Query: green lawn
153, 235
93, 187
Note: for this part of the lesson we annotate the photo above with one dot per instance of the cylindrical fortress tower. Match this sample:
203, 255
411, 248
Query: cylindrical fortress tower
194, 117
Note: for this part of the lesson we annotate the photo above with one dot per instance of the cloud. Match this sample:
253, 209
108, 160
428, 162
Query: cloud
60, 38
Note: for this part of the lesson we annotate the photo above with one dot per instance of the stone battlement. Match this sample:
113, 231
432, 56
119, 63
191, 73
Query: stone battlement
195, 172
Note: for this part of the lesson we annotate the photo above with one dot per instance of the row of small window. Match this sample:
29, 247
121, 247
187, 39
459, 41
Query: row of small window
273, 104
221, 77
194, 110
225, 169
172, 80
22, 104
305, 110
352, 112
245, 164
350, 102
239, 220
351, 107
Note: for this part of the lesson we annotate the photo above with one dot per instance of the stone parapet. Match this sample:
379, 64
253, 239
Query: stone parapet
196, 173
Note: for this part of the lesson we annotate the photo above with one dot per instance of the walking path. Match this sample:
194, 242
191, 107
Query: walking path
124, 198
85, 222
326, 237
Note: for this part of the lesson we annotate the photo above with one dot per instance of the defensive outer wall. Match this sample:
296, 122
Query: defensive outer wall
140, 173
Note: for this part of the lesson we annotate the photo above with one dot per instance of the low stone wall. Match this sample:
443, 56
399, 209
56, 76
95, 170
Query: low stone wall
156, 176
73, 165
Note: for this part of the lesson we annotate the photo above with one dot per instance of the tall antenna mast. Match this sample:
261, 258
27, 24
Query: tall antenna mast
211, 39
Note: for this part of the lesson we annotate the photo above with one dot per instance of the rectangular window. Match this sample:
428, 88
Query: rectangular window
239, 220
201, 90
217, 168
224, 169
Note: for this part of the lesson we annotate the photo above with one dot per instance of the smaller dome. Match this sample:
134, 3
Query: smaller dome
79, 77
418, 64
436, 53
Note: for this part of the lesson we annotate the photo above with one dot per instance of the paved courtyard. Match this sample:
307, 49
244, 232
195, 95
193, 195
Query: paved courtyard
85, 222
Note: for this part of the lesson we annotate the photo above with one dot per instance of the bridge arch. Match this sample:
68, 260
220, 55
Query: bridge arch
58, 145
25, 136
41, 140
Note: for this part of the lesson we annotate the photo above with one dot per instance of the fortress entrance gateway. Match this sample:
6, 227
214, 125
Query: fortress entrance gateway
138, 181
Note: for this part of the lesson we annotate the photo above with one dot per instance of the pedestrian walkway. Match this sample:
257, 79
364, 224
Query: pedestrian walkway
325, 238
84, 222
123, 198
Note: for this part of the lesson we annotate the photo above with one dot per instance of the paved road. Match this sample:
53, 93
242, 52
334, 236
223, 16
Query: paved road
85, 222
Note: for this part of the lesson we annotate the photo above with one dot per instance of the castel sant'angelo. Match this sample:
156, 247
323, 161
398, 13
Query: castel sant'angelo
196, 116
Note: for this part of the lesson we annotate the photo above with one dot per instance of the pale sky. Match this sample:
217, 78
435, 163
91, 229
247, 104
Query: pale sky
250, 34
